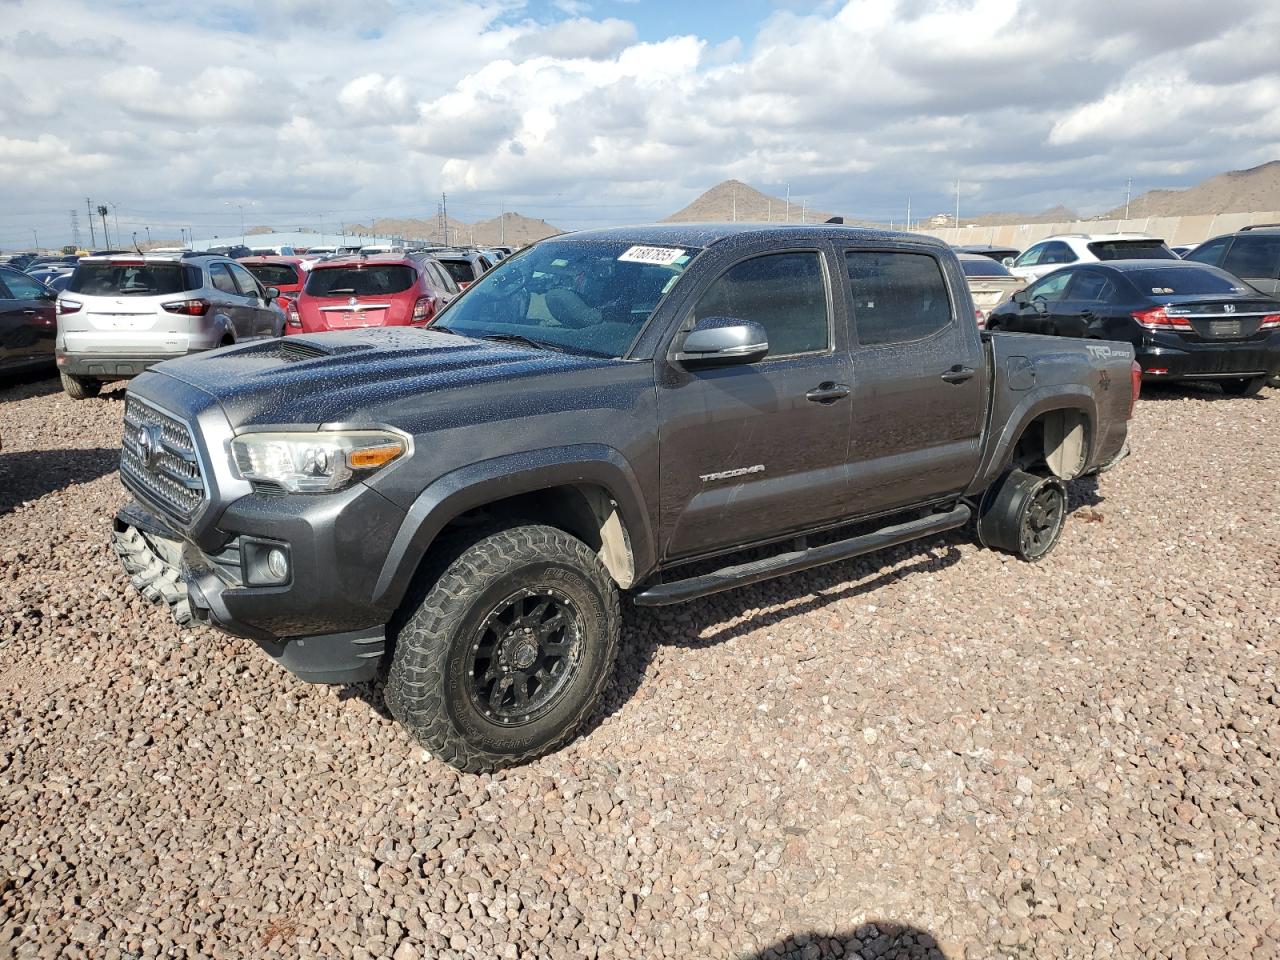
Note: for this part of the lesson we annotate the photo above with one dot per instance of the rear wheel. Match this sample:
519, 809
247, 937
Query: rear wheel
80, 388
501, 658
1023, 514
1245, 387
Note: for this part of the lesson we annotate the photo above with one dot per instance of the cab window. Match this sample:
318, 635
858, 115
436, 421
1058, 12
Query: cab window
897, 297
786, 293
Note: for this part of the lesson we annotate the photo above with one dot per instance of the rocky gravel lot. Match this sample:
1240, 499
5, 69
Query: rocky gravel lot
932, 752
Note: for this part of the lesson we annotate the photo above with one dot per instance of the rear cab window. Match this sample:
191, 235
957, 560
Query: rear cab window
132, 278
898, 297
1131, 250
786, 293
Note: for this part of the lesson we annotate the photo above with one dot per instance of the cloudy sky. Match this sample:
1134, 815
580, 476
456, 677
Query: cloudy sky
589, 112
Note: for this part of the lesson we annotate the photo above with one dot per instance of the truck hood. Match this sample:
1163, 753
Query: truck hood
355, 376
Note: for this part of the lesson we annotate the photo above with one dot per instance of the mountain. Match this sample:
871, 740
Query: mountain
1238, 191
720, 203
511, 228
1058, 214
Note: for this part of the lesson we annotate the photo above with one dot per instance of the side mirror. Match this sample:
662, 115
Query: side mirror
1007, 261
719, 341
1020, 298
271, 293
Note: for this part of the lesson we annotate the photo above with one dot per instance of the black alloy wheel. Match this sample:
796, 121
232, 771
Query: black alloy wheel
524, 655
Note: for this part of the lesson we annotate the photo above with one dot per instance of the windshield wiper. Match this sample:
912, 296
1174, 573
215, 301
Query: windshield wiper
526, 341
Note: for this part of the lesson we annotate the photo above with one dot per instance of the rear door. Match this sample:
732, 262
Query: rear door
753, 451
231, 301
264, 316
1087, 296
920, 379
28, 322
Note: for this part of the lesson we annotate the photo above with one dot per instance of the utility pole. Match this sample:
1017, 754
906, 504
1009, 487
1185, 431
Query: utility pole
37, 238
804, 204
735, 203
908, 214
106, 238
957, 202
115, 217
93, 237
148, 236
1128, 194
502, 227
768, 215
75, 227
788, 220
444, 211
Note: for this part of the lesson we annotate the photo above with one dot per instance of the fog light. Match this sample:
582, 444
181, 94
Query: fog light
278, 564
266, 563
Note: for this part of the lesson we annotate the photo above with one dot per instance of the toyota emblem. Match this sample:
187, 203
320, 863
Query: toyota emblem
149, 445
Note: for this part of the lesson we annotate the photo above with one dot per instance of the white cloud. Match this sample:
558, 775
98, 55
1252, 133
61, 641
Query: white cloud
319, 106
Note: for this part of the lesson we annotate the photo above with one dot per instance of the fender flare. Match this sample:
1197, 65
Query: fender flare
488, 481
1036, 403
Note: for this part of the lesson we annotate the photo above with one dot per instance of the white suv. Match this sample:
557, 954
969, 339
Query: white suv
1054, 252
120, 314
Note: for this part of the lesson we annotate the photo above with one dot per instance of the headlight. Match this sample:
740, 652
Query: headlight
314, 462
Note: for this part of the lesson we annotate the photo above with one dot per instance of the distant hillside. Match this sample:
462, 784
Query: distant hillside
1058, 214
512, 229
1239, 191
720, 203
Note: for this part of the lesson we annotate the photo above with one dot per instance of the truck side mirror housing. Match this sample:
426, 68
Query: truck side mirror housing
719, 341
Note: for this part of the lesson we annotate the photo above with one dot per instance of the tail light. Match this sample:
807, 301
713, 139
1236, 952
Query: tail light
69, 306
1159, 318
291, 314
981, 317
190, 308
1270, 322
423, 310
1135, 380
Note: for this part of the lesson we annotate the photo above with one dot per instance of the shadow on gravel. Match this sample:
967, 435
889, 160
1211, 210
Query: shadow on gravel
29, 474
877, 938
36, 383
1197, 390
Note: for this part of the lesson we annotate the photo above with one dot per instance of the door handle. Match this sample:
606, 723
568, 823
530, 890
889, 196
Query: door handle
28, 313
828, 392
959, 374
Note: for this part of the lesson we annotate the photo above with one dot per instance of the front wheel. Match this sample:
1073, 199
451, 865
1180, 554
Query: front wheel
1243, 387
1023, 514
80, 388
501, 658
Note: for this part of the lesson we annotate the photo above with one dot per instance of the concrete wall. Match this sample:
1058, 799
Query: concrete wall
1174, 230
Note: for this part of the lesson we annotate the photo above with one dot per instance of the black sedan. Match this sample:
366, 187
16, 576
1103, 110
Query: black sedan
1186, 320
28, 324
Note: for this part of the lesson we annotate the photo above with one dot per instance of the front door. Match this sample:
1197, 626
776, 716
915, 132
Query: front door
758, 450
921, 381
28, 322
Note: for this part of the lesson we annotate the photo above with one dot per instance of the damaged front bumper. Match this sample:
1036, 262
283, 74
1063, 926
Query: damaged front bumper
212, 589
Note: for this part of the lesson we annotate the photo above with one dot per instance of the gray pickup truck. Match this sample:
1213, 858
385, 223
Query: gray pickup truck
608, 412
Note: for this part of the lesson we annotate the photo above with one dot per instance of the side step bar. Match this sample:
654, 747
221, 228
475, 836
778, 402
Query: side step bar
727, 578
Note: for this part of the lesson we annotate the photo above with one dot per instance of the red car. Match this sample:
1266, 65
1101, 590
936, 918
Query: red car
286, 275
377, 291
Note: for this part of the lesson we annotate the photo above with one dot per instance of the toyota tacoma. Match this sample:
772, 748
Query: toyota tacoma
611, 413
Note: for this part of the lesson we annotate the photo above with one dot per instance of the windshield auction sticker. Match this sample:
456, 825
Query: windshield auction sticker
662, 256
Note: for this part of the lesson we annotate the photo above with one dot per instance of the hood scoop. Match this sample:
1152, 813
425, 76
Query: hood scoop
295, 351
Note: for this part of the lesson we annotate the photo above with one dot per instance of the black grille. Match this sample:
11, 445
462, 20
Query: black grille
158, 455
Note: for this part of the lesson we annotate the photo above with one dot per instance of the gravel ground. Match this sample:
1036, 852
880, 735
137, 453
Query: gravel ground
933, 751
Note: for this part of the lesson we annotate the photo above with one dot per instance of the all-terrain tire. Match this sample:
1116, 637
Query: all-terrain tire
431, 684
80, 388
1023, 514
1245, 387
153, 566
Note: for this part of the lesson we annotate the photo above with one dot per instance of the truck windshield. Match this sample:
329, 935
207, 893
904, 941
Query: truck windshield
588, 297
